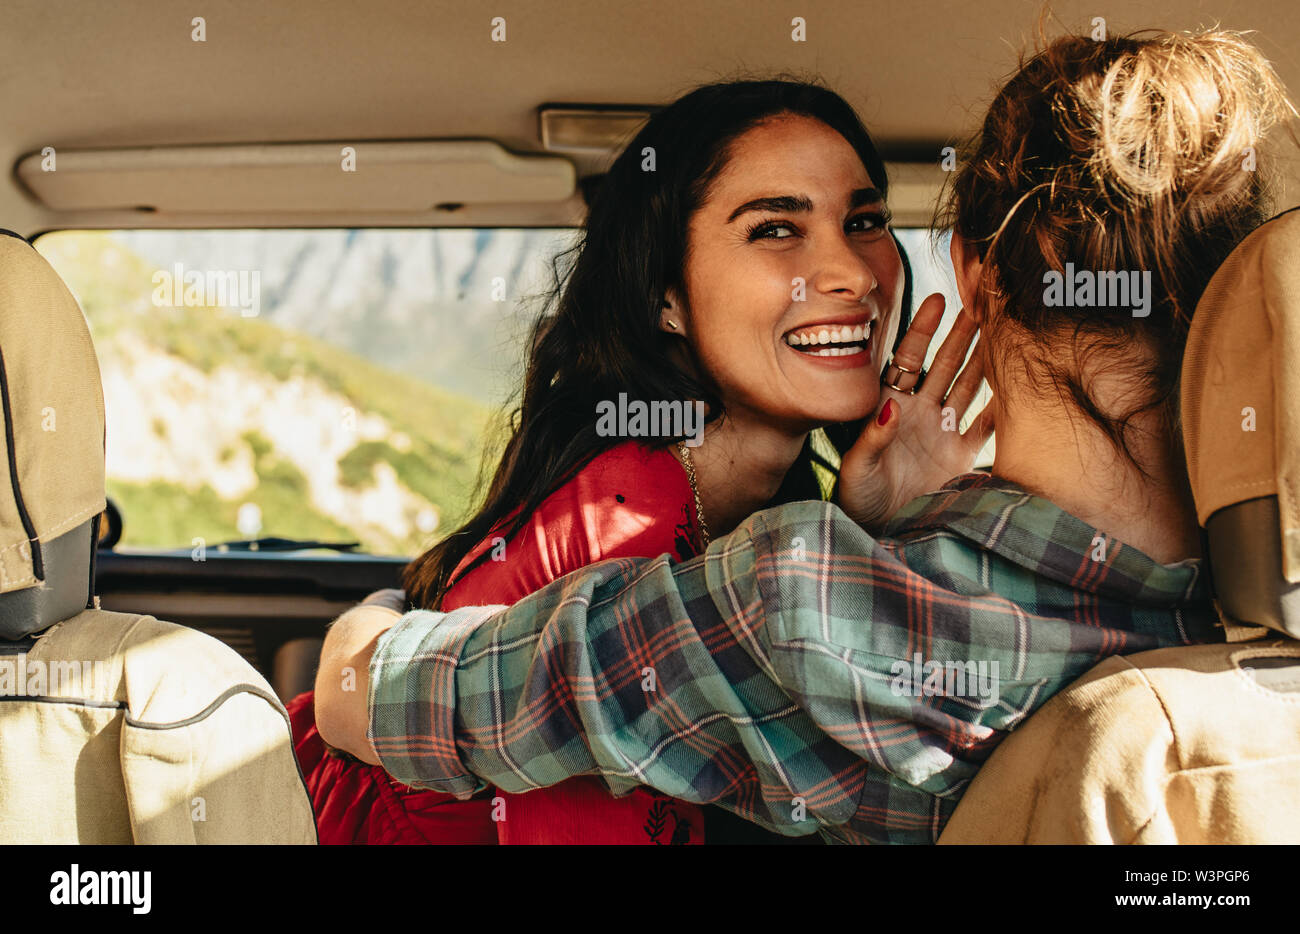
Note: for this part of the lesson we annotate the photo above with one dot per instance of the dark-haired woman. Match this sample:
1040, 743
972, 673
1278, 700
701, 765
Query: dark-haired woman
737, 254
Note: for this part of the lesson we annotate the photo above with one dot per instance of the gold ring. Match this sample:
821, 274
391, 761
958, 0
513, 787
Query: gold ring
920, 375
901, 370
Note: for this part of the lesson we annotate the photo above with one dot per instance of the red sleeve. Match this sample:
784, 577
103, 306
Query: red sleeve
629, 502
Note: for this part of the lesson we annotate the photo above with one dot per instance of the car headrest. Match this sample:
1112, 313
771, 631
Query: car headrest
1241, 425
52, 479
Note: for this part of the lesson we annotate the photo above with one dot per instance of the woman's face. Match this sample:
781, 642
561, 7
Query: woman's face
793, 282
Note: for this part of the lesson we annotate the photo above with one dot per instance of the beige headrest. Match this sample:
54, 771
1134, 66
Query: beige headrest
53, 412
1241, 382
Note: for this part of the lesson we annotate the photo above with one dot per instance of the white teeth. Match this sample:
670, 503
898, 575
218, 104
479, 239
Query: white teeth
832, 334
836, 352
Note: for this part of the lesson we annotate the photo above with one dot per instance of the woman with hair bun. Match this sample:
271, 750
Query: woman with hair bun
1134, 157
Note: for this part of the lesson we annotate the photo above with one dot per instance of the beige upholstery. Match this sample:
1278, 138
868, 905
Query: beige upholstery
166, 736
1241, 369
1185, 745
57, 407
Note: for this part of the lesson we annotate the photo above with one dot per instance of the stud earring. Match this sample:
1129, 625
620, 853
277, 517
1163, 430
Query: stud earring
672, 324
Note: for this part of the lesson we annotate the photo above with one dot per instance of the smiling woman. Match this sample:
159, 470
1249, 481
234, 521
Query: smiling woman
793, 239
763, 217
737, 214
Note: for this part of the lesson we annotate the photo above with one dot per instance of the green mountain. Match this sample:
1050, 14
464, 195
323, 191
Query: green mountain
225, 427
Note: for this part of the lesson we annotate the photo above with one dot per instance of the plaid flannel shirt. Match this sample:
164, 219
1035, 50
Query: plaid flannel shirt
801, 673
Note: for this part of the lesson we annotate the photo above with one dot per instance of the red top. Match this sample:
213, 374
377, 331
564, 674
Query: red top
628, 502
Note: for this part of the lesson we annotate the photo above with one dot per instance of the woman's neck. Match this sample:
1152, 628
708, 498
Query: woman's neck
1071, 462
739, 467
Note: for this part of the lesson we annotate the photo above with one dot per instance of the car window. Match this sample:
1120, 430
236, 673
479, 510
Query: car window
932, 272
321, 385
310, 384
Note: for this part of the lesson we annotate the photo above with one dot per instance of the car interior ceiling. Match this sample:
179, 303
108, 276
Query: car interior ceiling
257, 108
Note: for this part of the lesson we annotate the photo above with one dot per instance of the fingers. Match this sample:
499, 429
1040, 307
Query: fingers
968, 383
949, 358
864, 490
876, 436
916, 342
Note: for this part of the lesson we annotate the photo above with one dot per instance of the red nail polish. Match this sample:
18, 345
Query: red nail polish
886, 413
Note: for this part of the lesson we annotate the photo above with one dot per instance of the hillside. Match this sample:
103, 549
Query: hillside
214, 418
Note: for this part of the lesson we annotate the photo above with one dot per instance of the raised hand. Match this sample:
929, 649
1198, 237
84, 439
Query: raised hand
914, 443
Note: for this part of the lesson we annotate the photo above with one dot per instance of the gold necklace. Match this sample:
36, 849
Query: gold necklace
695, 489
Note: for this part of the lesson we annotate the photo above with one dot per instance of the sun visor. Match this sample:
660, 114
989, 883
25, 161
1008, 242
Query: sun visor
295, 178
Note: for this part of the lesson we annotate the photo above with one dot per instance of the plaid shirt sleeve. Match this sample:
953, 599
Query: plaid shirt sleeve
652, 688
778, 675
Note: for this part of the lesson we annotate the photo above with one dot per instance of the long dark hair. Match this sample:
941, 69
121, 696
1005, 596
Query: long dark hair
603, 337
